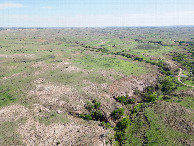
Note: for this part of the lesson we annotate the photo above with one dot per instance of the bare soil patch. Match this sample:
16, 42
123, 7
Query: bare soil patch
91, 88
17, 55
72, 69
37, 108
64, 66
186, 93
56, 96
15, 75
34, 133
109, 74
127, 86
13, 113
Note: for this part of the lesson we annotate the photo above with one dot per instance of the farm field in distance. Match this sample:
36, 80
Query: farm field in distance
97, 86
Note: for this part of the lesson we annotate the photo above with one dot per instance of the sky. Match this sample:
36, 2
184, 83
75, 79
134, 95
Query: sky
95, 13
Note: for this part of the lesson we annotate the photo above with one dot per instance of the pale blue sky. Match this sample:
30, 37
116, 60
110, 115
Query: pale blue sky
81, 13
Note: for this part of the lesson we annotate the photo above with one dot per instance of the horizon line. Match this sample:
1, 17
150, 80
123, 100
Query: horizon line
93, 26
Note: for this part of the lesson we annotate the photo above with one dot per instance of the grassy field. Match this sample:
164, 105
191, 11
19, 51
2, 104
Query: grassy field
69, 81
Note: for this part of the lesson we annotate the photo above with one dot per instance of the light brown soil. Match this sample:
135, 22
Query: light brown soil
186, 93
17, 55
13, 113
91, 88
15, 75
110, 74
63, 66
56, 96
40, 108
34, 133
71, 69
127, 86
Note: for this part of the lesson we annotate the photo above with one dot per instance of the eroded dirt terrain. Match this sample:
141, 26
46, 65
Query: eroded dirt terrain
35, 133
48, 77
56, 96
127, 86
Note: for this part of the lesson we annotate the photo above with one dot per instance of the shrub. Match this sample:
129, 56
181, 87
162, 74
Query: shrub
106, 124
120, 128
137, 108
125, 100
121, 99
131, 100
89, 106
151, 97
149, 89
86, 117
117, 113
138, 58
123, 124
97, 115
97, 105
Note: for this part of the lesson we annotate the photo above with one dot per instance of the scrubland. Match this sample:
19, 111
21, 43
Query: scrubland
97, 86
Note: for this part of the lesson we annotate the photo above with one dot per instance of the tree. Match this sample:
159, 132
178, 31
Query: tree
168, 84
151, 97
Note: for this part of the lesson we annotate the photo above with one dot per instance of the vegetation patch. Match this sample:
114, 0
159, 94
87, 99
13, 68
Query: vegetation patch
94, 112
125, 100
53, 117
159, 133
117, 113
6, 96
126, 67
8, 134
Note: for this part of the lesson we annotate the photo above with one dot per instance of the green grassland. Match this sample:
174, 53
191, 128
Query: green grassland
108, 62
90, 58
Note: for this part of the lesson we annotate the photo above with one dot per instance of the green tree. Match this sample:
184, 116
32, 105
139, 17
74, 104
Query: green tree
168, 84
151, 97
120, 128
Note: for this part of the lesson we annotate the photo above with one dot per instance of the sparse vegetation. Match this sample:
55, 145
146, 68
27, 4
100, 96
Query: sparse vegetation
53, 75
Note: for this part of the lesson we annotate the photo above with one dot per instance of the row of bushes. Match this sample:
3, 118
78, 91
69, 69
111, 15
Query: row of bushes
125, 100
162, 66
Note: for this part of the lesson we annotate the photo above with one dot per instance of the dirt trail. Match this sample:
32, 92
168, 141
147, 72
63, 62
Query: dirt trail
172, 64
179, 78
